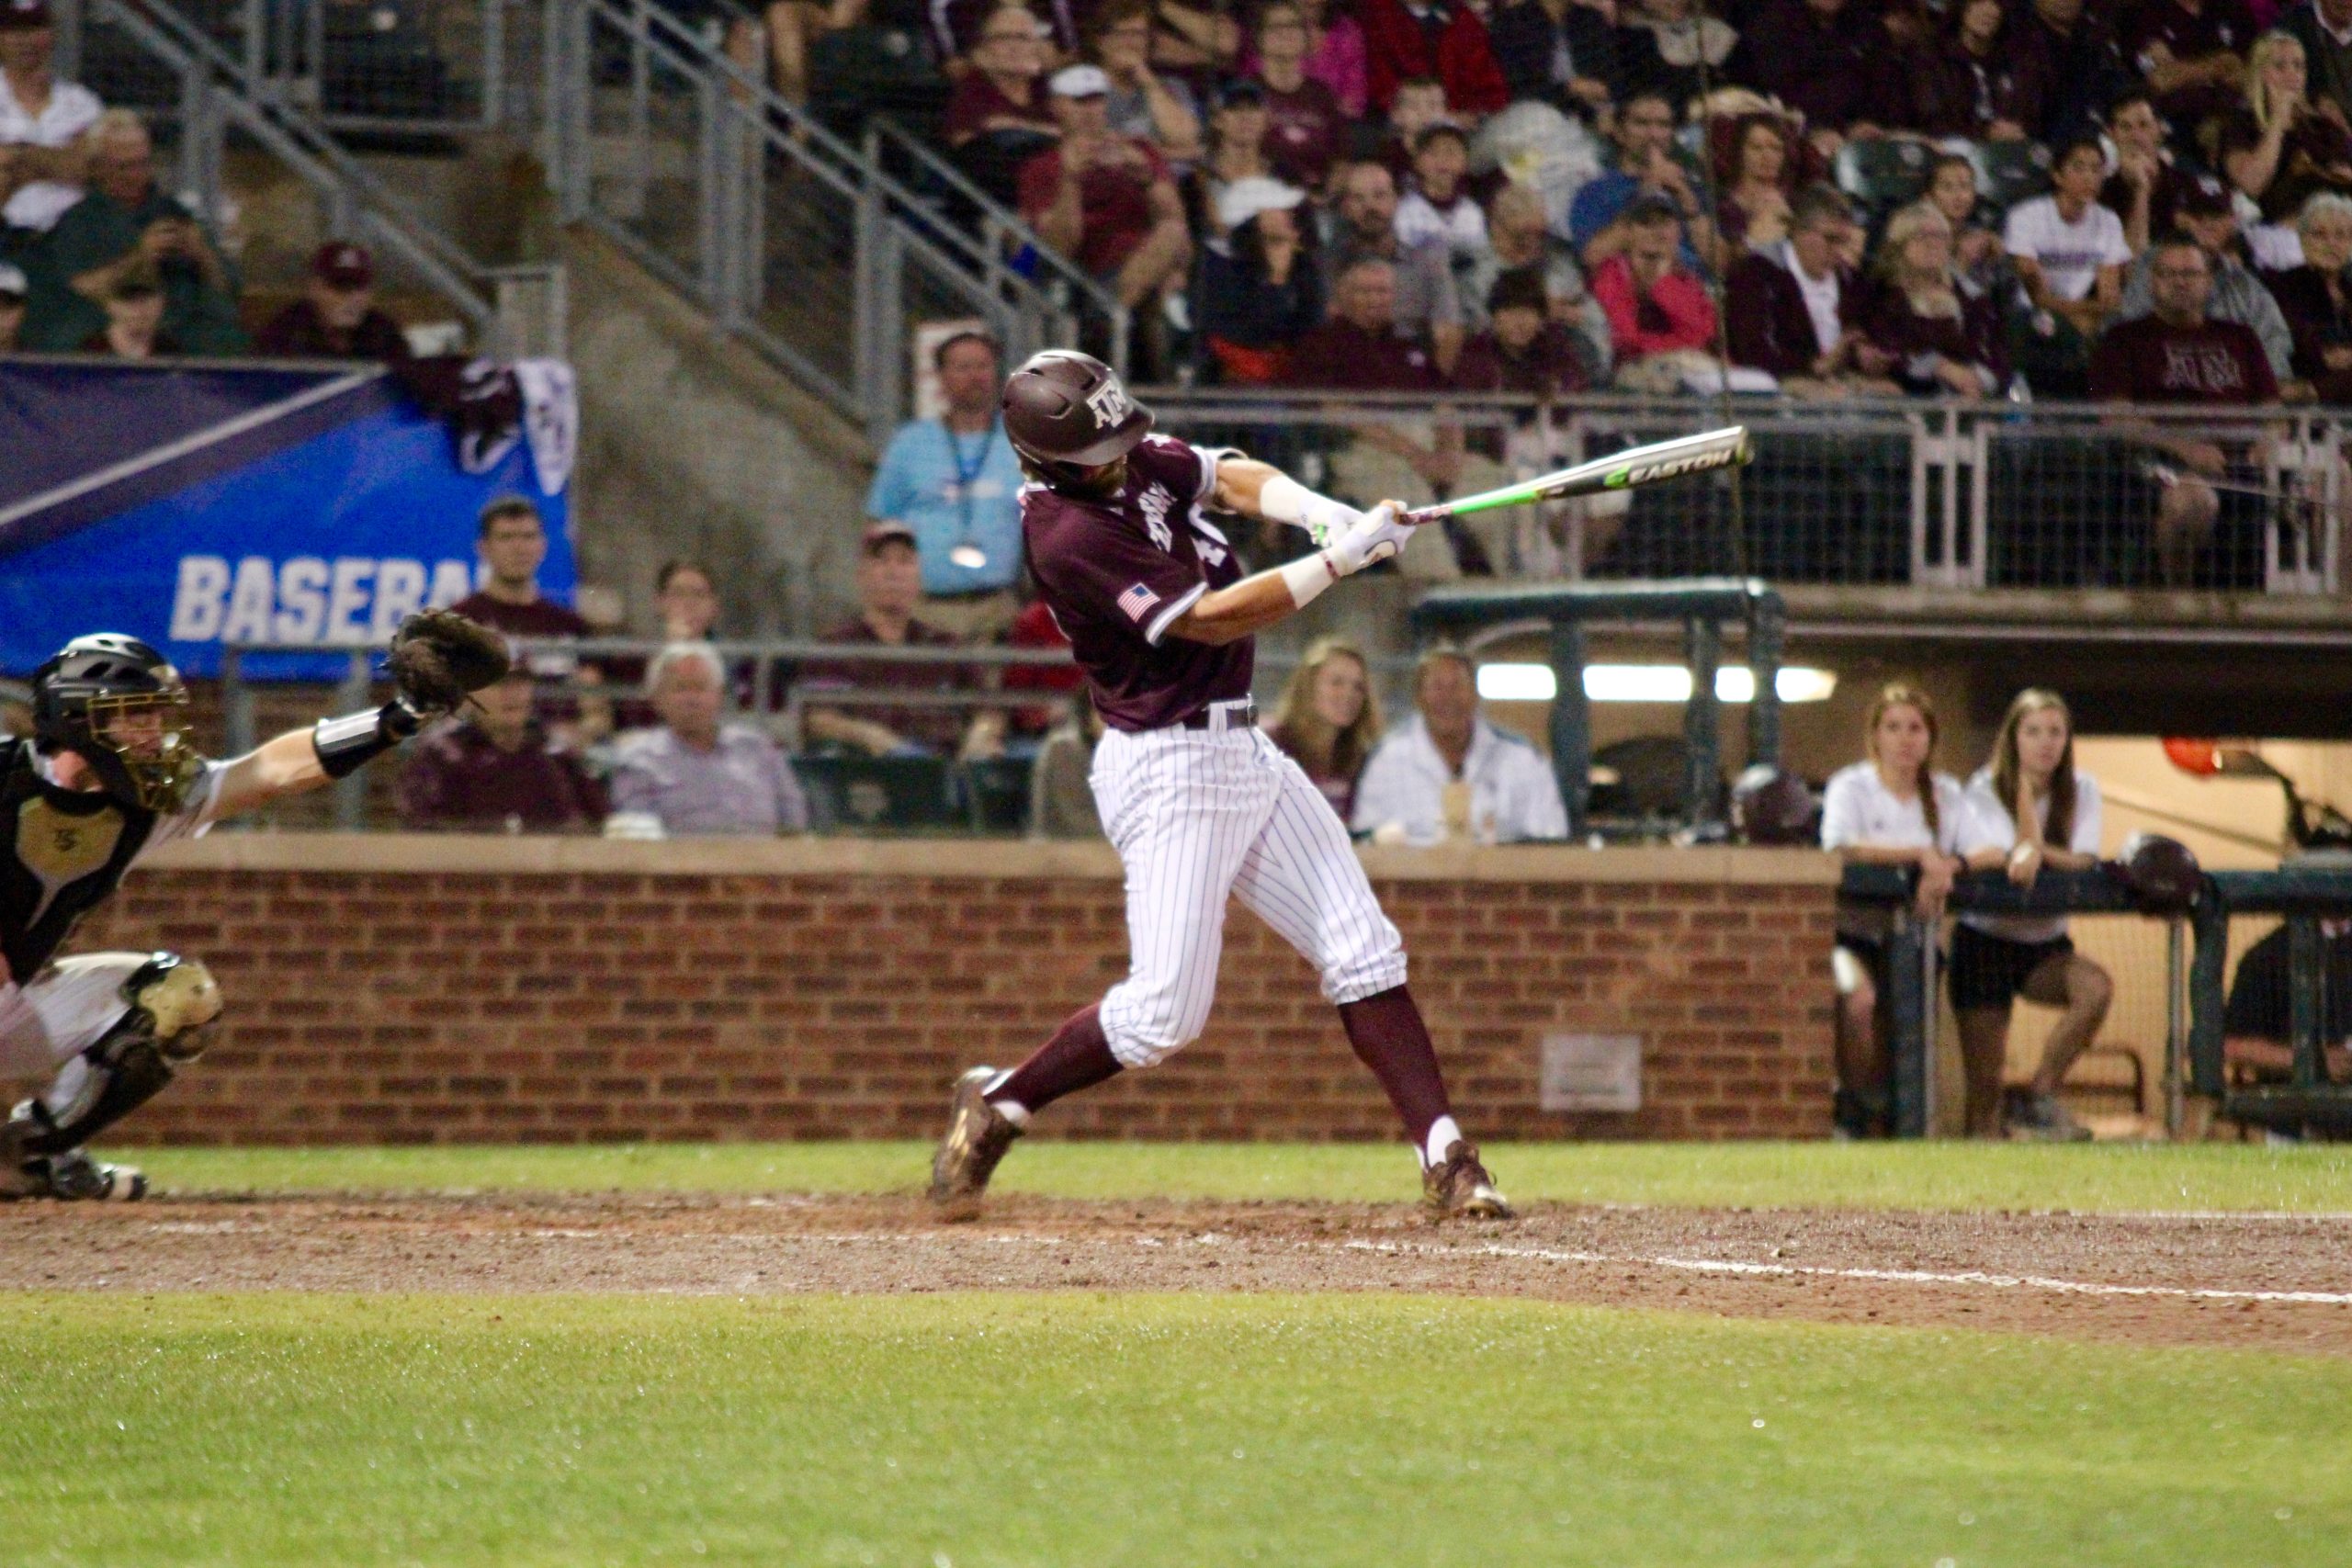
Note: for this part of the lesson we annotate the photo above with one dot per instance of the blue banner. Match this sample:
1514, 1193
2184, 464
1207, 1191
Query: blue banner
194, 506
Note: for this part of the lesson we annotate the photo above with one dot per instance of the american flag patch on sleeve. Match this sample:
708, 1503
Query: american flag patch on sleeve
1137, 602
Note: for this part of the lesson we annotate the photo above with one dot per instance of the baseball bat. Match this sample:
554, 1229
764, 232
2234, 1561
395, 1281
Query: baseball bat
1726, 449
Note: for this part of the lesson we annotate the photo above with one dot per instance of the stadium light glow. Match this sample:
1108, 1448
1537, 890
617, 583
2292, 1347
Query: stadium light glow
1648, 683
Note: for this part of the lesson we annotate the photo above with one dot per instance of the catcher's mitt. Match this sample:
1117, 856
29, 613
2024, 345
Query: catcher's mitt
439, 658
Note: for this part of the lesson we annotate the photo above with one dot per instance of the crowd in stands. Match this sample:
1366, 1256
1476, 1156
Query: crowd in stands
1825, 196
97, 258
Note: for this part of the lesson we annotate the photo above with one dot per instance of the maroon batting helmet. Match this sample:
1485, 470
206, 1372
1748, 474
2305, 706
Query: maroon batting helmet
2161, 873
1067, 408
1769, 807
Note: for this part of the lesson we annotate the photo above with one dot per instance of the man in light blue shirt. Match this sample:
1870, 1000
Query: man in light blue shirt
955, 481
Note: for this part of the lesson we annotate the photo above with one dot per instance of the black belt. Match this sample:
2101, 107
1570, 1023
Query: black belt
1245, 716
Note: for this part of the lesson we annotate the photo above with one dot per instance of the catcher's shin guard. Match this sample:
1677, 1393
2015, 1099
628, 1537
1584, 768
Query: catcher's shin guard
172, 1002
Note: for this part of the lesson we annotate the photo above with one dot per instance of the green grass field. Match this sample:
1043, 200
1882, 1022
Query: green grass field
2111, 1178
1202, 1429
1085, 1431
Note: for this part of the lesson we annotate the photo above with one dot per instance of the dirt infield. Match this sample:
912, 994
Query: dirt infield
2276, 1283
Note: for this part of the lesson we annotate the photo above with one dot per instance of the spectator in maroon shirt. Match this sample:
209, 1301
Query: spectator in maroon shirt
1660, 320
1107, 201
1795, 310
336, 317
1444, 38
491, 770
2179, 356
513, 543
1305, 124
1406, 458
1940, 341
890, 587
1359, 349
1522, 349
1826, 59
1754, 175
1965, 81
2316, 298
1005, 88
2192, 53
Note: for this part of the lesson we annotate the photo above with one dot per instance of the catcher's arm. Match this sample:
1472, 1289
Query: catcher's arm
438, 659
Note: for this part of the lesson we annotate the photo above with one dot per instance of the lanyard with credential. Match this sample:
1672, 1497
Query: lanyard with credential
966, 554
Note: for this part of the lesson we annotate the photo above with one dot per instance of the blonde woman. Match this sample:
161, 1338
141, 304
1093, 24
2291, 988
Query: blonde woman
1893, 809
1328, 720
1944, 342
2281, 147
2028, 809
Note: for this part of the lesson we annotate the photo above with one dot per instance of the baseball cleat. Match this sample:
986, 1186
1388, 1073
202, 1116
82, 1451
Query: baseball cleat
1459, 1187
977, 1135
73, 1177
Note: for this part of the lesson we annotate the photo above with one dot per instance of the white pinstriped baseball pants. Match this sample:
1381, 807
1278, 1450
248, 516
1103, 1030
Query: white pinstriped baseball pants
1197, 815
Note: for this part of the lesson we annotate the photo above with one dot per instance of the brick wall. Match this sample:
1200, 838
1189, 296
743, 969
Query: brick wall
398, 989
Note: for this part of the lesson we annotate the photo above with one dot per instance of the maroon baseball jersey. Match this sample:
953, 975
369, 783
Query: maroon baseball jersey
1118, 574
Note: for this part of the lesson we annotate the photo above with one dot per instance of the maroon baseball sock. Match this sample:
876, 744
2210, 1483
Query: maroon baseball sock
1078, 1056
1389, 1035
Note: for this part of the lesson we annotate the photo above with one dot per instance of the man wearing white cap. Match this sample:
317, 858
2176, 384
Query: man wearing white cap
1260, 290
1106, 200
41, 120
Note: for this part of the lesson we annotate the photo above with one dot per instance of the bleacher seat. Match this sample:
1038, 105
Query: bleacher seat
1883, 174
2010, 172
999, 794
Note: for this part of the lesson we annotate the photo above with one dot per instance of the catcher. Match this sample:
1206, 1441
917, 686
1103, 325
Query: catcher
108, 776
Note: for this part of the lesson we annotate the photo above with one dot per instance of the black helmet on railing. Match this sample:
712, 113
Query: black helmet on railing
119, 704
1066, 412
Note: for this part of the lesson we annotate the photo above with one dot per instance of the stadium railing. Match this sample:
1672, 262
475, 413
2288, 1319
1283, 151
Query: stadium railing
1860, 492
2170, 1010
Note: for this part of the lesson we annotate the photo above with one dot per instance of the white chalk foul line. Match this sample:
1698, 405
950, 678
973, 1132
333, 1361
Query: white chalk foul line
1895, 1276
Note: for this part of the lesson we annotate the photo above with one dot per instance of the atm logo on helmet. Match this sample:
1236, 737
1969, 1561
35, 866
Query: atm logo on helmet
1672, 468
1109, 404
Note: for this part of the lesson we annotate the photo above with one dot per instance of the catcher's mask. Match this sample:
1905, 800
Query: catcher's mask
119, 704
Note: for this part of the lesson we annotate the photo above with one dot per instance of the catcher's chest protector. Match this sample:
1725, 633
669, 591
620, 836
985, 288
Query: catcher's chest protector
66, 849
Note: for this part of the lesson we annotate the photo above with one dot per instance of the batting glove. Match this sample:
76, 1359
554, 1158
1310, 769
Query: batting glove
1376, 535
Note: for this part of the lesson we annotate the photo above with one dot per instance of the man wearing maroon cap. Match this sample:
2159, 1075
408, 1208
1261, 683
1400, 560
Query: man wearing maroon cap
890, 587
336, 317
41, 121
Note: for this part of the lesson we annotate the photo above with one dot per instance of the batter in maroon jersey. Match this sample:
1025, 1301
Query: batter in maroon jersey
1199, 804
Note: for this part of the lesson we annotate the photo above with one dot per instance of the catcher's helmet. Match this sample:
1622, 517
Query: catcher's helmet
1769, 807
2163, 873
1067, 410
87, 699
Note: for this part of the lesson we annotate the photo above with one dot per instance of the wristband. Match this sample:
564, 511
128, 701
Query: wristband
1286, 500
347, 744
1308, 576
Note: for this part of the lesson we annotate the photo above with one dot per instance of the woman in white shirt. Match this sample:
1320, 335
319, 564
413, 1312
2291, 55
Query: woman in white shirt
2027, 809
1894, 809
